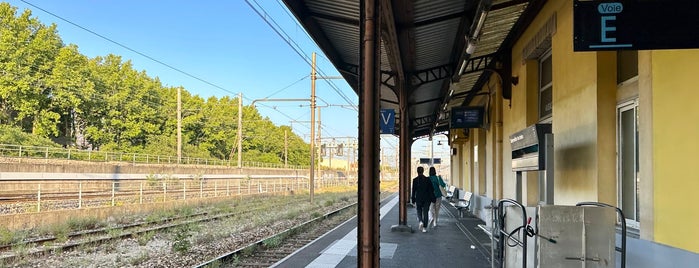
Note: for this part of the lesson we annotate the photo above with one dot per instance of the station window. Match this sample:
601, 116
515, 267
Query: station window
545, 86
626, 65
627, 153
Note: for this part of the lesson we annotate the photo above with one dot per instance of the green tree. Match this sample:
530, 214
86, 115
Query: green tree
51, 90
130, 108
220, 126
70, 91
27, 52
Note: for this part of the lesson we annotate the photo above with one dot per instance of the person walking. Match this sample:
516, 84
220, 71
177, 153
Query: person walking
437, 203
422, 196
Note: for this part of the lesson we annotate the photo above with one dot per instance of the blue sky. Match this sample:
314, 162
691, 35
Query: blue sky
225, 43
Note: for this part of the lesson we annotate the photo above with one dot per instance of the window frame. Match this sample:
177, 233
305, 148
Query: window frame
542, 88
631, 105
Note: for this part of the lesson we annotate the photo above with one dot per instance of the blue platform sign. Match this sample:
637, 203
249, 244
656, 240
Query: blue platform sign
387, 122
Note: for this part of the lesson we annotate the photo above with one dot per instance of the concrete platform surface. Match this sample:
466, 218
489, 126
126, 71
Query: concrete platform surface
455, 242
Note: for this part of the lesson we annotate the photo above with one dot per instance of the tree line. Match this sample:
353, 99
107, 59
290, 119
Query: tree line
50, 90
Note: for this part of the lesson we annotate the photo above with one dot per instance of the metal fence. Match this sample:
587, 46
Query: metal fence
45, 152
26, 196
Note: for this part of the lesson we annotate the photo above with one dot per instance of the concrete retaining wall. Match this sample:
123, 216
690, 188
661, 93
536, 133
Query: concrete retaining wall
69, 166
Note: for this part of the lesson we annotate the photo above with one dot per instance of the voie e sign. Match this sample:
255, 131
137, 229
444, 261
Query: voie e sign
635, 25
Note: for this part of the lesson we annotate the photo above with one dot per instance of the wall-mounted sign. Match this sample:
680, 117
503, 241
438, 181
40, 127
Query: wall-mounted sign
387, 122
635, 24
467, 117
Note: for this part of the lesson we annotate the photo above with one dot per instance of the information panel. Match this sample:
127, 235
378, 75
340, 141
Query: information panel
467, 117
426, 161
635, 24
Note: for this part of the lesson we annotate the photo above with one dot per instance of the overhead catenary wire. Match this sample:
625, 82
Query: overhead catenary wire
131, 49
296, 48
290, 41
152, 58
286, 87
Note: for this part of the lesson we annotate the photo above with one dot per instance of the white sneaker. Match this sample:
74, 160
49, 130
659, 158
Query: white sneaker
434, 223
424, 230
420, 226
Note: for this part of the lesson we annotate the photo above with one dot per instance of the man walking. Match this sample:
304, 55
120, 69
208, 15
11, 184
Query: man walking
422, 197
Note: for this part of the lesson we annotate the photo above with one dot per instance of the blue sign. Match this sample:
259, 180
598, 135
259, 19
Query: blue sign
387, 122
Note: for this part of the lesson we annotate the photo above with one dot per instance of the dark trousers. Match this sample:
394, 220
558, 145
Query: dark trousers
423, 210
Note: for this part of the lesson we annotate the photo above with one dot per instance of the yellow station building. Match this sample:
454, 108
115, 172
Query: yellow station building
625, 126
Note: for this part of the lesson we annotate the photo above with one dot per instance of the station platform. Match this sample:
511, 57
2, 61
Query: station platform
455, 242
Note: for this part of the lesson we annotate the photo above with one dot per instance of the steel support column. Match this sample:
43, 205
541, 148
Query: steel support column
404, 143
369, 142
404, 163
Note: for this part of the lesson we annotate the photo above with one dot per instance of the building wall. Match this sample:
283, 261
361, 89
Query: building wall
585, 96
675, 118
584, 127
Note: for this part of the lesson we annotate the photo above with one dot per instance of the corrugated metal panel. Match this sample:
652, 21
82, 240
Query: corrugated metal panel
385, 64
497, 26
467, 81
434, 43
389, 95
427, 91
344, 37
427, 9
348, 9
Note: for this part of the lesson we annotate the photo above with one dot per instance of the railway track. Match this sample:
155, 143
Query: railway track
268, 251
270, 248
50, 244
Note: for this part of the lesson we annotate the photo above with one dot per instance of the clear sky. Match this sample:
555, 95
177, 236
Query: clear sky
224, 43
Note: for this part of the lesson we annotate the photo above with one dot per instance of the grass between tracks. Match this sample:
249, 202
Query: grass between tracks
248, 212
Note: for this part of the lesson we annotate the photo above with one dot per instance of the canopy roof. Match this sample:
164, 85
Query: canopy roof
424, 44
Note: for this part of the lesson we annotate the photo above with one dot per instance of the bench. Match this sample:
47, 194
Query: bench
461, 200
450, 192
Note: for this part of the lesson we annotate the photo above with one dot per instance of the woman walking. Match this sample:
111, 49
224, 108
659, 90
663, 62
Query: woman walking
436, 183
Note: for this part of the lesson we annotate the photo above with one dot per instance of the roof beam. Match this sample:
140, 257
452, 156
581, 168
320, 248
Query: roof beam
456, 55
386, 76
431, 74
403, 13
479, 63
392, 46
423, 121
